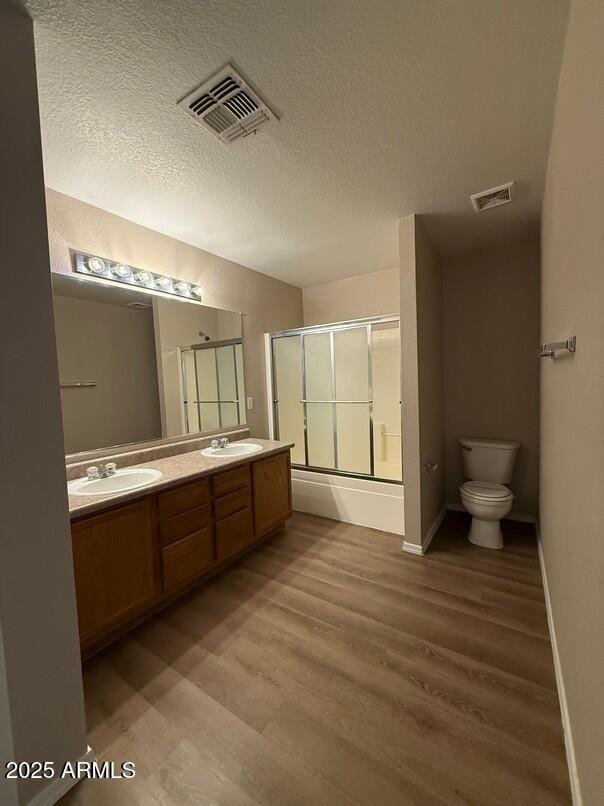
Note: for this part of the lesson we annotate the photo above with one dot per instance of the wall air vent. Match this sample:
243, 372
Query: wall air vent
227, 105
492, 197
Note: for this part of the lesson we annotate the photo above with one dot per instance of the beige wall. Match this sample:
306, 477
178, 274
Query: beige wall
41, 702
114, 346
572, 388
491, 328
267, 304
429, 280
421, 379
371, 294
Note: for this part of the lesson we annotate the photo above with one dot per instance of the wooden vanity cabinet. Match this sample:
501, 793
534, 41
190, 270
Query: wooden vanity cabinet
131, 559
272, 492
233, 511
114, 566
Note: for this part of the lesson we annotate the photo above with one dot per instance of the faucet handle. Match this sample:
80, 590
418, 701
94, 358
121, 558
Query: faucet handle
214, 444
92, 472
111, 468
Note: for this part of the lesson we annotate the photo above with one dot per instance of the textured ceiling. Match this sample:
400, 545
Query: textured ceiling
388, 107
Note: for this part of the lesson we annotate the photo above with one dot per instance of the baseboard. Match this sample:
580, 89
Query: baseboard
512, 516
568, 736
59, 787
434, 529
414, 548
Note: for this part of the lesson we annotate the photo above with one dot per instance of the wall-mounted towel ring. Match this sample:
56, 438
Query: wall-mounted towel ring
549, 349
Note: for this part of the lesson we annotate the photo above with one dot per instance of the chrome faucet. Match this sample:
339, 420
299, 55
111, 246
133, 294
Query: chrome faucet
216, 444
102, 471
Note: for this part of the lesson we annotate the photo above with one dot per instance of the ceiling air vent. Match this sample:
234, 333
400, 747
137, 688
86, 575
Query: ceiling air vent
492, 198
227, 106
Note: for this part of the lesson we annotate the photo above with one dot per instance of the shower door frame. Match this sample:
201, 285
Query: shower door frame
330, 329
211, 345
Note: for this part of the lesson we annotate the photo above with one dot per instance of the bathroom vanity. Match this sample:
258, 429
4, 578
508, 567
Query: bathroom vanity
135, 553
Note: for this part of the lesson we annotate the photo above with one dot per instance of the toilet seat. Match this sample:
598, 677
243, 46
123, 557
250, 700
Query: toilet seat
486, 491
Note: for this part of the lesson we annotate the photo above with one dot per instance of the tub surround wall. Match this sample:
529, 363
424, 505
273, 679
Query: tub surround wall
572, 395
267, 304
41, 700
491, 370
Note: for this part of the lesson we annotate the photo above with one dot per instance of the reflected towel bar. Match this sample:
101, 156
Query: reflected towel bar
77, 384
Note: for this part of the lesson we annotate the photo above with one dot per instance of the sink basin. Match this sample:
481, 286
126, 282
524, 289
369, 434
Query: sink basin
234, 449
121, 482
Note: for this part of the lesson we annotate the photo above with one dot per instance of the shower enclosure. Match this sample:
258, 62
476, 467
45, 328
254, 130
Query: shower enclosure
213, 395
336, 394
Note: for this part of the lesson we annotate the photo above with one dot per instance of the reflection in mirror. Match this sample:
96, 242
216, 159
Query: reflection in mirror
136, 367
212, 377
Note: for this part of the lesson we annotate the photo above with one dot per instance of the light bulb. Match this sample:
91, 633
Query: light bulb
163, 282
143, 276
121, 270
197, 290
96, 265
182, 287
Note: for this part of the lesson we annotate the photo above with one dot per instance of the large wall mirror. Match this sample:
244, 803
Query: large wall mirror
137, 367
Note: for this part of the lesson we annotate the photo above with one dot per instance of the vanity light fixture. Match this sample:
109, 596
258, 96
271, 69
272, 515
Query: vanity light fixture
147, 281
96, 265
163, 282
121, 270
143, 277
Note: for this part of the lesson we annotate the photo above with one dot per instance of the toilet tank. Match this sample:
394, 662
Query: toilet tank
489, 459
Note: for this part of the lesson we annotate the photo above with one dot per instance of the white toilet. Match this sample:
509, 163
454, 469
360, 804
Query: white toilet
489, 465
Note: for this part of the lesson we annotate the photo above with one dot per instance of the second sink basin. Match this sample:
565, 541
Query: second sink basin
120, 482
235, 449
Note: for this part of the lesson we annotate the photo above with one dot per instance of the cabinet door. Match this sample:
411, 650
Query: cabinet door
272, 492
233, 534
186, 559
113, 560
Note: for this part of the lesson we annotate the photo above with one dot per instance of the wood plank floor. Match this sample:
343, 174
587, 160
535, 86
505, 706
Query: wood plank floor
327, 667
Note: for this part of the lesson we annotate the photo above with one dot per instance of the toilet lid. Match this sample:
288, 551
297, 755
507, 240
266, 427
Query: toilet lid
486, 489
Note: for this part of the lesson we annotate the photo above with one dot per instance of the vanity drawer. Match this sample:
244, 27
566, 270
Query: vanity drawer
232, 502
186, 559
231, 480
234, 533
183, 498
179, 526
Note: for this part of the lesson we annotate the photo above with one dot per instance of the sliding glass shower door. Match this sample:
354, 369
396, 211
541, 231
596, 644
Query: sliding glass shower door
212, 386
324, 397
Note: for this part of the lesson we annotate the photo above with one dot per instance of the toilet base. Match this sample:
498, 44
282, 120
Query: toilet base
486, 534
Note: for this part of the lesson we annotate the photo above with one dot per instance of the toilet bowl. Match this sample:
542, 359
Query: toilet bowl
488, 466
487, 503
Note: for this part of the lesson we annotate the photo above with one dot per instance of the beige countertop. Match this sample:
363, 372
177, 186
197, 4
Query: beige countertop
174, 469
